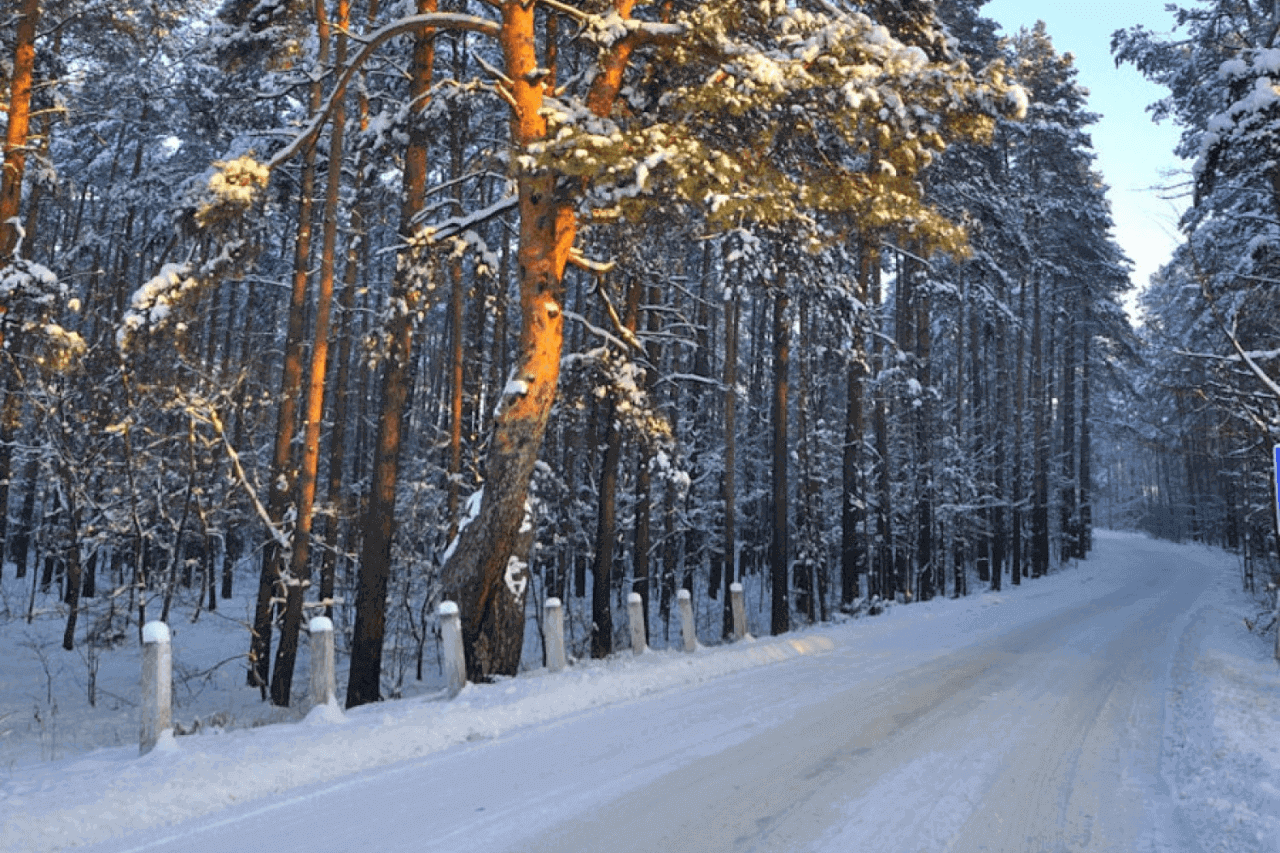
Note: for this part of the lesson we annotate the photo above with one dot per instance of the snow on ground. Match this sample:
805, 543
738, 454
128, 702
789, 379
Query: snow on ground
1221, 723
1222, 739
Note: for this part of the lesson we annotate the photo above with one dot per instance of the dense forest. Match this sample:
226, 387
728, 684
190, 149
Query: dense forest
367, 305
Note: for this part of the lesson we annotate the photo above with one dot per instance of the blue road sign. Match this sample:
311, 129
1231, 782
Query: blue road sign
1277, 452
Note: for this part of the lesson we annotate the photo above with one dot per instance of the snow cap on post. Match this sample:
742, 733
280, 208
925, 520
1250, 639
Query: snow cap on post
155, 632
156, 708
320, 624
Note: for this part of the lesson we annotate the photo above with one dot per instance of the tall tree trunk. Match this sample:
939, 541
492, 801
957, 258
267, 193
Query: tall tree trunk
965, 430
1084, 543
283, 471
1067, 496
642, 559
26, 519
924, 463
853, 501
884, 491
728, 484
1020, 382
780, 621
606, 533
338, 499
905, 335
457, 302
19, 122
805, 556
1000, 456
298, 578
1040, 441
364, 682
484, 574
12, 171
74, 578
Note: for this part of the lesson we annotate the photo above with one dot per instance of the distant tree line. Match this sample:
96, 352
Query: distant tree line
1210, 376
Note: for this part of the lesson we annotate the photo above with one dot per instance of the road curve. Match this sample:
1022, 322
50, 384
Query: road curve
1046, 737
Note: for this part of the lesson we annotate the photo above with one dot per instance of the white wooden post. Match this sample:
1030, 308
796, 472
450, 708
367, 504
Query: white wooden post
739, 604
157, 681
635, 615
687, 630
455, 663
323, 689
553, 634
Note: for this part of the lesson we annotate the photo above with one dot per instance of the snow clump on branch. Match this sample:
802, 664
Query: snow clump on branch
153, 303
232, 189
29, 295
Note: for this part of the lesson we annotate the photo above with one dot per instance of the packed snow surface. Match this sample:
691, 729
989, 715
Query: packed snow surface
1118, 705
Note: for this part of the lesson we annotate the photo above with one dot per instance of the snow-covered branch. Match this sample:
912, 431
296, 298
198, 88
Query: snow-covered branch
412, 23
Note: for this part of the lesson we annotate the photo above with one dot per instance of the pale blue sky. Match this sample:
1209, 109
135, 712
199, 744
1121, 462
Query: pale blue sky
1133, 153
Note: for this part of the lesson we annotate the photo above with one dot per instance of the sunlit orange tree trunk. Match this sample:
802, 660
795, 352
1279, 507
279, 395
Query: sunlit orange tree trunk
15, 138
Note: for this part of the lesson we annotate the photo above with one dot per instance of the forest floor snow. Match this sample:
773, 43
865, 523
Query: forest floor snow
1183, 736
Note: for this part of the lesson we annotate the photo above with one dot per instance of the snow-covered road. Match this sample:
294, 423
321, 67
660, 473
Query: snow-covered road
1056, 717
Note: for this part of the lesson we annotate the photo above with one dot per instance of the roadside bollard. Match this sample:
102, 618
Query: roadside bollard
635, 615
739, 603
553, 634
687, 630
455, 663
157, 681
323, 689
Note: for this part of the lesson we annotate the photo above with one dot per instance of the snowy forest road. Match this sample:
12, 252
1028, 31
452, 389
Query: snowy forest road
1042, 736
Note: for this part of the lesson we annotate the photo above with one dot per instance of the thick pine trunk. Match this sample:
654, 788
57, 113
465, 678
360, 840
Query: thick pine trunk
486, 573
